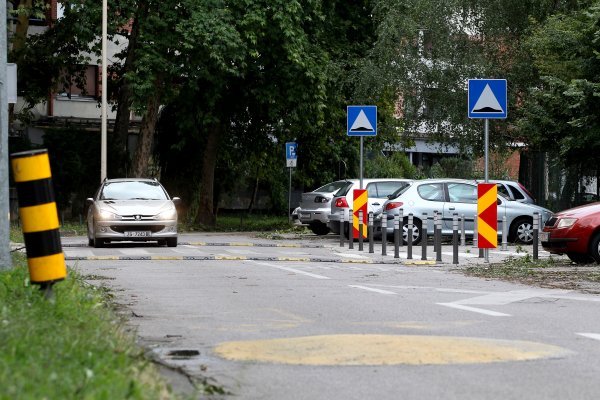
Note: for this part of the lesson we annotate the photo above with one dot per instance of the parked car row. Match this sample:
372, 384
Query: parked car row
453, 196
320, 209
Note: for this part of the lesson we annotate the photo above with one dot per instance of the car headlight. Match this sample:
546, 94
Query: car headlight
566, 222
105, 215
166, 215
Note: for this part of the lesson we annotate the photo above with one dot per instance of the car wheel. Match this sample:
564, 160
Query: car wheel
90, 242
416, 231
319, 229
172, 242
595, 248
521, 231
579, 258
99, 242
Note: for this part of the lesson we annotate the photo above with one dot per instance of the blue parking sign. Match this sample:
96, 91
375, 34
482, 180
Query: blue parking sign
291, 154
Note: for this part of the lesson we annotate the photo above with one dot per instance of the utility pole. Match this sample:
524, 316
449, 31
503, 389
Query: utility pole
5, 259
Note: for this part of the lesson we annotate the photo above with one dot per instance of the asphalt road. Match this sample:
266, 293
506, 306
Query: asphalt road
324, 322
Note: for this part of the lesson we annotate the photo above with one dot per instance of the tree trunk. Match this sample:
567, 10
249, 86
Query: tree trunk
22, 25
143, 152
121, 128
206, 215
254, 192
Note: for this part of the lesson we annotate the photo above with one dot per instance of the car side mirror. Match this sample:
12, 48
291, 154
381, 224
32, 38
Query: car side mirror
89, 201
499, 202
176, 201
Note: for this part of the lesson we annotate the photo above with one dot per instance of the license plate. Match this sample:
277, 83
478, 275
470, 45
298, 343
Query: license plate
137, 233
544, 236
304, 216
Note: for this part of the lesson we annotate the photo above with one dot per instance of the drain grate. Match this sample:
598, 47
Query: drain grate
183, 354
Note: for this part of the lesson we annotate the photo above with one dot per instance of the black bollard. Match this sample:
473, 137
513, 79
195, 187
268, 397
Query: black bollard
351, 229
409, 237
371, 250
396, 236
455, 239
438, 232
360, 230
536, 228
424, 237
384, 234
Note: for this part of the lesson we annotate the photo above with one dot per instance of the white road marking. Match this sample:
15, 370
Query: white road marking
595, 336
500, 299
465, 255
294, 270
380, 291
242, 251
134, 252
474, 309
352, 255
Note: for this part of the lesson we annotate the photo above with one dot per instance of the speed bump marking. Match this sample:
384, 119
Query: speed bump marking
352, 350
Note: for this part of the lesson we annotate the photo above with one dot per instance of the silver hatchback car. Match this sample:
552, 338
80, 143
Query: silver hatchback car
132, 210
454, 196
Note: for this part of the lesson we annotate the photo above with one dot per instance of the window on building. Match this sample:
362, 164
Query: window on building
83, 85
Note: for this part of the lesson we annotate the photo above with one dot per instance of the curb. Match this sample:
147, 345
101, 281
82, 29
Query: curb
229, 244
244, 258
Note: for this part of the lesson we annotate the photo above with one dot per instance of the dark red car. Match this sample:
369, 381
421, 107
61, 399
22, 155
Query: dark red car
574, 232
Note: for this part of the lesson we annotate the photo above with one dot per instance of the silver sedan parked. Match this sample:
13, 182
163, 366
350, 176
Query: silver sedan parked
131, 210
454, 196
315, 207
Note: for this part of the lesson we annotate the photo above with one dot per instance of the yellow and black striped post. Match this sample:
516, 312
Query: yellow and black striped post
39, 216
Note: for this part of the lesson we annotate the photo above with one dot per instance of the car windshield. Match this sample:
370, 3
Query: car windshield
133, 190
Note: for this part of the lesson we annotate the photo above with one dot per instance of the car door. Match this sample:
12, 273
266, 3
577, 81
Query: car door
462, 200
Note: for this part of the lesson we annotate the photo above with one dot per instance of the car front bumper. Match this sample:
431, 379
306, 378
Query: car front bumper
143, 231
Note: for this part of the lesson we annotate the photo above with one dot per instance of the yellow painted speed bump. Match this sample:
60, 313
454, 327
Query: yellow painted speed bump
39, 216
348, 349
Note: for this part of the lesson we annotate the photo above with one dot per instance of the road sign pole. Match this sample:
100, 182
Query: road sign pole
486, 139
361, 161
290, 197
486, 172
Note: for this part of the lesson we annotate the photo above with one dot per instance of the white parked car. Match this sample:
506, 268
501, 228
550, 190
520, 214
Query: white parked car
378, 191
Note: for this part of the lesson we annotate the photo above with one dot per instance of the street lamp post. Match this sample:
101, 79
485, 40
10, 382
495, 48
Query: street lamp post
104, 79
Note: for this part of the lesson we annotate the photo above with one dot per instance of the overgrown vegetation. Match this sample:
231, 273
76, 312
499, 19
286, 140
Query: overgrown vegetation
547, 272
69, 347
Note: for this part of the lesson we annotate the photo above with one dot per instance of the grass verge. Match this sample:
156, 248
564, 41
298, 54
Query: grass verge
69, 347
547, 273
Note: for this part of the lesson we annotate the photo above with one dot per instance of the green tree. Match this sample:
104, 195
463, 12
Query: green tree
560, 114
426, 50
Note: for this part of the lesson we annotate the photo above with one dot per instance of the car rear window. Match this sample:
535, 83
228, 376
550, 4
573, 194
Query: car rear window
331, 187
516, 193
431, 191
384, 189
343, 190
